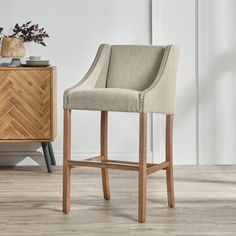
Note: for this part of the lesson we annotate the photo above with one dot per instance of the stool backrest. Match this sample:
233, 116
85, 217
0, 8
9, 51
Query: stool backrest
133, 66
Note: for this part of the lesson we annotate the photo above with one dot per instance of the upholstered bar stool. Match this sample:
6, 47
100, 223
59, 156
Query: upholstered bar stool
125, 78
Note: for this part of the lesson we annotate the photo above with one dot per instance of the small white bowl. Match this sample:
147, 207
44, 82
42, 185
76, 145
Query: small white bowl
34, 58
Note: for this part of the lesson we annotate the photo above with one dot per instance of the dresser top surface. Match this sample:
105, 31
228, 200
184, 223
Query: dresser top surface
28, 68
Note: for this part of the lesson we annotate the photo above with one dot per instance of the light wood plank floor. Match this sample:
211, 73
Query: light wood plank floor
30, 203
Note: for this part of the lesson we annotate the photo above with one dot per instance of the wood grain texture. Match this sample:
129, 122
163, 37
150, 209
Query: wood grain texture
104, 154
66, 159
157, 167
27, 107
104, 163
169, 158
142, 168
30, 203
53, 73
97, 158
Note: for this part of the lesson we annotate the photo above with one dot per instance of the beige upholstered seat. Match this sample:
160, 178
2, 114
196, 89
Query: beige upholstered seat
125, 78
128, 79
105, 99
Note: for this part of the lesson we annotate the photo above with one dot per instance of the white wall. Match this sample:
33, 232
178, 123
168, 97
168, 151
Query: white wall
76, 29
217, 81
205, 127
173, 24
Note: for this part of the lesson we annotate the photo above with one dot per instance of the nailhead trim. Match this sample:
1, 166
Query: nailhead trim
66, 96
157, 79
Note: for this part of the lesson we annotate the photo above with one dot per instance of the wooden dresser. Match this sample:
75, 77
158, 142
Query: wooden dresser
28, 107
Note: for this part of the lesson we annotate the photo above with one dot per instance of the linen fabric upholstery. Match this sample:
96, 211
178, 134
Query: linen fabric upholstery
133, 67
128, 78
104, 99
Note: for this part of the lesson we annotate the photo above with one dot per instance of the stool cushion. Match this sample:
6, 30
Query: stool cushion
105, 99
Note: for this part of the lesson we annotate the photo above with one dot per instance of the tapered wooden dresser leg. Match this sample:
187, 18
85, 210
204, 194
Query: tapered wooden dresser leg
142, 168
103, 141
169, 151
67, 157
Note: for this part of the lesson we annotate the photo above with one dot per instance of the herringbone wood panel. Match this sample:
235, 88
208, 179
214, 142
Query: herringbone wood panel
25, 104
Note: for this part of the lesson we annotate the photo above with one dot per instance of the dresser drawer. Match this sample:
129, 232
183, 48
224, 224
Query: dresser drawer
27, 104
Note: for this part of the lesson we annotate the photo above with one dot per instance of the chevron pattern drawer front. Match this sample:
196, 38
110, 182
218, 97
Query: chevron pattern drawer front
27, 104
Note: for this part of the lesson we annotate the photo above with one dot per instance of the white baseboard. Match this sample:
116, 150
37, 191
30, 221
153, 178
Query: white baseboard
23, 158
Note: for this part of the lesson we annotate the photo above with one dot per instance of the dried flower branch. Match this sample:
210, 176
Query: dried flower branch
1, 29
28, 32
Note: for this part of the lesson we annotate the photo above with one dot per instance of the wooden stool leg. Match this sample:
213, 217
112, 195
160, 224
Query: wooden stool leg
67, 157
169, 170
103, 141
142, 168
